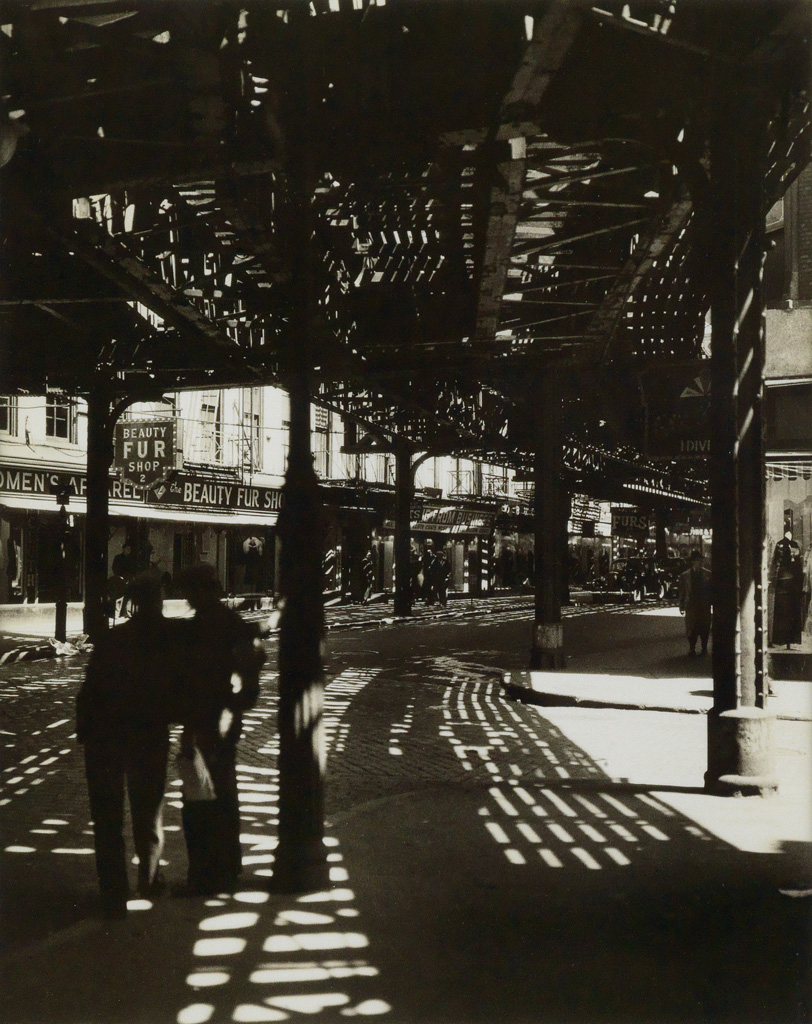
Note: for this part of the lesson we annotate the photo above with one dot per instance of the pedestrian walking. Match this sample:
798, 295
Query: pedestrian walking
442, 571
122, 715
368, 573
415, 575
429, 575
220, 680
695, 603
123, 569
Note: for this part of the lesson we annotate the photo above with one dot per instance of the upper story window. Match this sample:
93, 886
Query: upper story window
252, 430
211, 429
8, 414
60, 417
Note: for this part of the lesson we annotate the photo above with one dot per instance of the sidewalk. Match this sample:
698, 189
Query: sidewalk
791, 699
491, 862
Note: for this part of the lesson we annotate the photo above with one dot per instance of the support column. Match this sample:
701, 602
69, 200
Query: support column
100, 422
60, 623
564, 540
740, 731
300, 863
404, 492
547, 651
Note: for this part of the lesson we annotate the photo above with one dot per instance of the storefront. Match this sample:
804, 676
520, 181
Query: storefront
465, 534
192, 518
589, 539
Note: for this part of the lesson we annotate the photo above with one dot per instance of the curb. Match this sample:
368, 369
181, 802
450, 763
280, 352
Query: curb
566, 700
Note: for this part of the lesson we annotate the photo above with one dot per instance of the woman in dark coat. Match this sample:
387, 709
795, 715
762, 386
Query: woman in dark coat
787, 576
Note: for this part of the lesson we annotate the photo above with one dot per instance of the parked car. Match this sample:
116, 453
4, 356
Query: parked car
641, 577
674, 567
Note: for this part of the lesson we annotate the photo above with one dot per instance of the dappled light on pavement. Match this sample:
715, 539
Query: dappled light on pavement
294, 956
529, 820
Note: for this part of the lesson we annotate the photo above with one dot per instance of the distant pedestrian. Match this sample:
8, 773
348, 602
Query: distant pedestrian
222, 659
415, 575
122, 714
123, 569
429, 575
442, 571
368, 573
695, 603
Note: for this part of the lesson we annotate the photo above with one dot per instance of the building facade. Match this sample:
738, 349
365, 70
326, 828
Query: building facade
215, 493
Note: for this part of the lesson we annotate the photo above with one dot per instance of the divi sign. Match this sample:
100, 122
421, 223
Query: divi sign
144, 450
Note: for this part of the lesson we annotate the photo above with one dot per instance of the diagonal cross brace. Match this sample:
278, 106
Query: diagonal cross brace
113, 261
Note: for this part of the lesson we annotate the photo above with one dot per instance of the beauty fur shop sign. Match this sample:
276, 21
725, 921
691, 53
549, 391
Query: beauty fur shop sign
144, 450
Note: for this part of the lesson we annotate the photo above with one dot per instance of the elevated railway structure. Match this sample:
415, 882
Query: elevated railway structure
467, 227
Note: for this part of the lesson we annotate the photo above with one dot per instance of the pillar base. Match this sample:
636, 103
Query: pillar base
741, 753
547, 651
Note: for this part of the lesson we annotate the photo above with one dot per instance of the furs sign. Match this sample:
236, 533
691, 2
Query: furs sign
144, 450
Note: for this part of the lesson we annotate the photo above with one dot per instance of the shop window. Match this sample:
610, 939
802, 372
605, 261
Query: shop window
8, 414
60, 417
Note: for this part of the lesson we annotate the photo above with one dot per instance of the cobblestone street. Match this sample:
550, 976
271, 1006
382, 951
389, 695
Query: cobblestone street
489, 862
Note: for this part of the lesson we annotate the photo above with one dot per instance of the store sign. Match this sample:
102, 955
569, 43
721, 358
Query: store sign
192, 491
184, 490
677, 401
588, 517
451, 520
630, 522
144, 450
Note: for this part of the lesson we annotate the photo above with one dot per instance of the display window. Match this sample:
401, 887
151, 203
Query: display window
788, 562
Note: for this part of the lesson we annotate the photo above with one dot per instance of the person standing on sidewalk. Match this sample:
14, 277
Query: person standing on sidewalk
442, 570
222, 656
368, 572
123, 569
429, 575
695, 603
122, 715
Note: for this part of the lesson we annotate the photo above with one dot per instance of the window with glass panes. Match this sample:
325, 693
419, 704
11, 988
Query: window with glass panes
60, 417
8, 414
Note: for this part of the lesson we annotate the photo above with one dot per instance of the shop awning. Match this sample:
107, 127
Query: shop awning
78, 506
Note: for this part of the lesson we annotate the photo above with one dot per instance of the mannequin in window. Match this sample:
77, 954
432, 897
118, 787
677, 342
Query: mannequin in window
786, 576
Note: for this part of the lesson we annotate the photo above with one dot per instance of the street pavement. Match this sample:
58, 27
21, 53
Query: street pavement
490, 860
27, 631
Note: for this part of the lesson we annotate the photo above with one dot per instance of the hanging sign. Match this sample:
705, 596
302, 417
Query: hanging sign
144, 450
630, 523
677, 399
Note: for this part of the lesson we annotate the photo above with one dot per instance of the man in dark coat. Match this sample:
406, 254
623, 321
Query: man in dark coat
442, 571
122, 711
695, 603
221, 663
